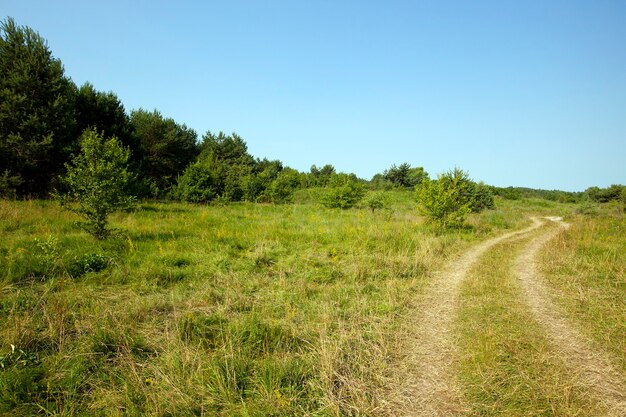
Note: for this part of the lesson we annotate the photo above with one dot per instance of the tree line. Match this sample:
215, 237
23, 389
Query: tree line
50, 128
43, 114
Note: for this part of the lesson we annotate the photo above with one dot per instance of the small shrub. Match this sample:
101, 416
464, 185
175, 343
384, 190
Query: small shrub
345, 196
48, 256
449, 199
376, 201
445, 200
89, 262
587, 208
97, 181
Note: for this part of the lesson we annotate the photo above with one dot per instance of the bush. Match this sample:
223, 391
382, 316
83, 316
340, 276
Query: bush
481, 197
200, 183
282, 188
604, 195
446, 201
97, 181
344, 197
376, 201
587, 208
89, 262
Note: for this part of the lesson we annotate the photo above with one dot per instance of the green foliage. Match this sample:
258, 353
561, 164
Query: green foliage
508, 193
517, 193
97, 182
604, 195
445, 201
481, 197
167, 149
88, 262
9, 184
264, 173
320, 177
587, 208
105, 113
36, 111
344, 196
226, 148
405, 176
21, 384
48, 260
201, 182
226, 171
376, 201
449, 199
282, 188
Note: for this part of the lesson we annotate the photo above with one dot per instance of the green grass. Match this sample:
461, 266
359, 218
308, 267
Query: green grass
587, 266
506, 366
243, 309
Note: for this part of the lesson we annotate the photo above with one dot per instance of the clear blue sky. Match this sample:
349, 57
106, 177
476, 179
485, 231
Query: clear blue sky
522, 93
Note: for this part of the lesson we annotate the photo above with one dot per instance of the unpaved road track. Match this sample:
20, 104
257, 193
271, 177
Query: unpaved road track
429, 388
590, 366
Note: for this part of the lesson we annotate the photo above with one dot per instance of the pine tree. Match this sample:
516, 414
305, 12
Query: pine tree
36, 111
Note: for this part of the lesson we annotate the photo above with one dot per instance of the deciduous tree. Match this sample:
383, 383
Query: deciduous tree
97, 181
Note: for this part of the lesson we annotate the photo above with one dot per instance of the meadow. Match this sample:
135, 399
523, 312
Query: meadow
257, 310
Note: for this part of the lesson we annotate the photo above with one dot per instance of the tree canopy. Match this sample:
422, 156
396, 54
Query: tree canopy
167, 149
43, 114
36, 111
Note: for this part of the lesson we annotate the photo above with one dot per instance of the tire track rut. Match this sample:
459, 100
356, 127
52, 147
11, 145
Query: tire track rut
429, 389
591, 367
426, 385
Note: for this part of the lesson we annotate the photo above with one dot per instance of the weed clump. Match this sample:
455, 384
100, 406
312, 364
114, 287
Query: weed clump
88, 262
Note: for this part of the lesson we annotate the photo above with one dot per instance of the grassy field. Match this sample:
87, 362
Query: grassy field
238, 310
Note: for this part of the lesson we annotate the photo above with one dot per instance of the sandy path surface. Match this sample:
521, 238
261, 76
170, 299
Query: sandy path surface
429, 389
591, 367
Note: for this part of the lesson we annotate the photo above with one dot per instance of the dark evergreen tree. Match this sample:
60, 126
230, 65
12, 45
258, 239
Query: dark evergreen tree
105, 113
36, 111
167, 149
226, 148
320, 177
404, 176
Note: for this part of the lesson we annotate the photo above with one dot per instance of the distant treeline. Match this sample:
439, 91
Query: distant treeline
43, 114
615, 192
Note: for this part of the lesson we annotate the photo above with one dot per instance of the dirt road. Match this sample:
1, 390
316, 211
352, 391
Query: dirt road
429, 388
590, 365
